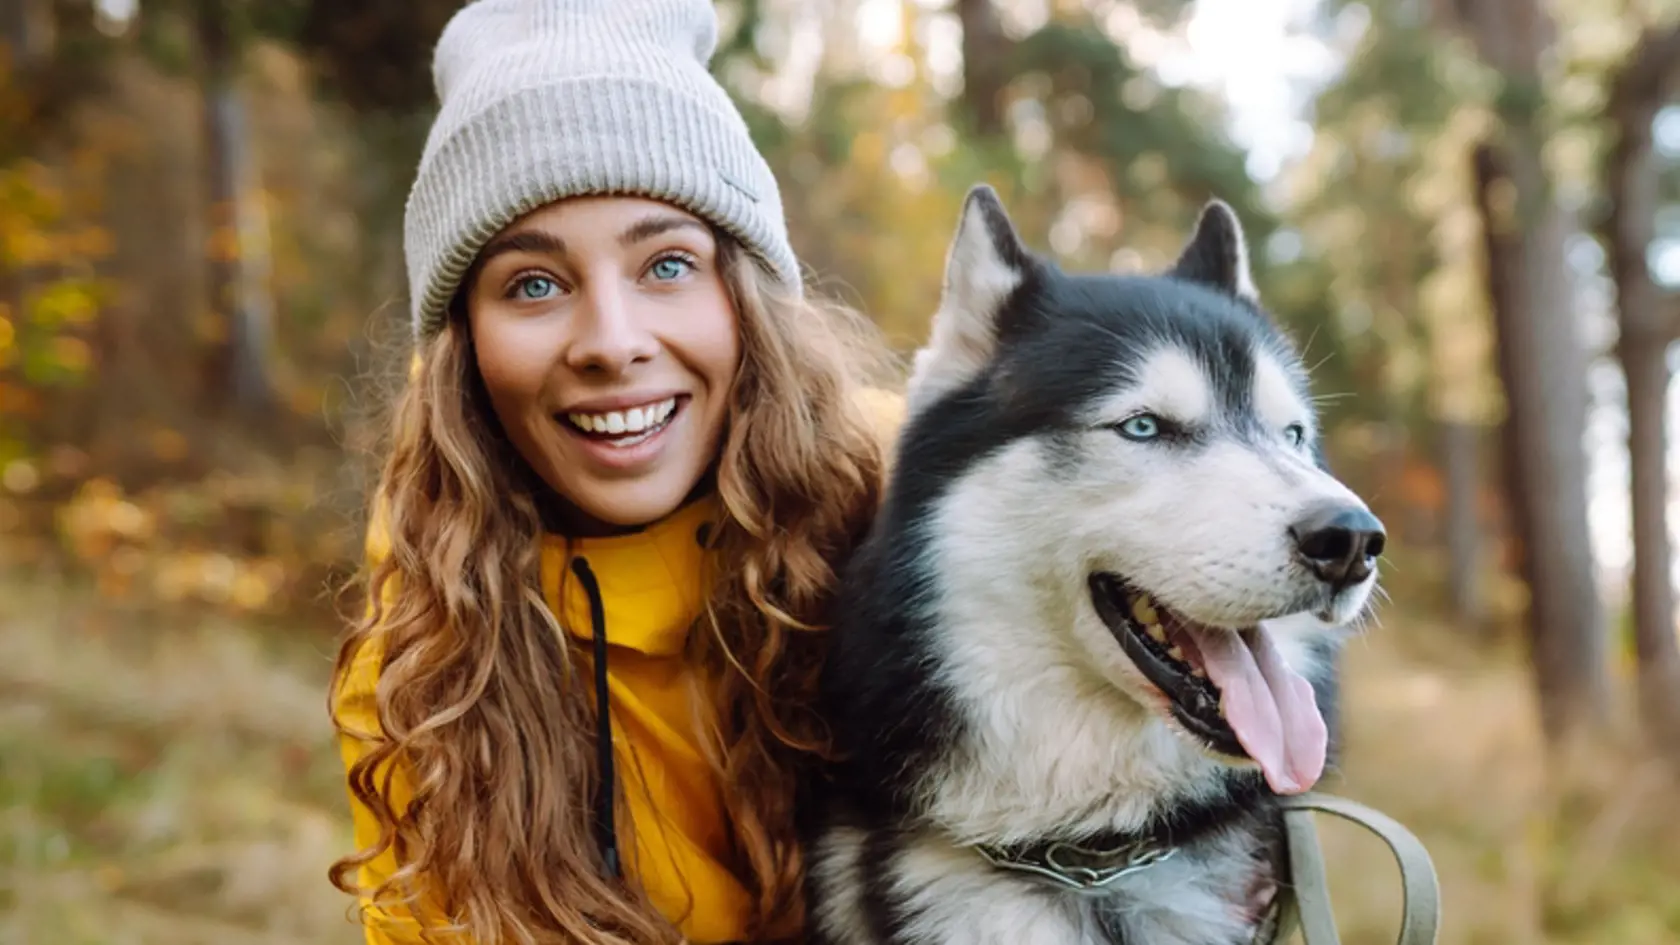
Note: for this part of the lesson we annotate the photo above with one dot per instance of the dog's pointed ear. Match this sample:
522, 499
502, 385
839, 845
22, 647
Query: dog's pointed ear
1217, 255
985, 264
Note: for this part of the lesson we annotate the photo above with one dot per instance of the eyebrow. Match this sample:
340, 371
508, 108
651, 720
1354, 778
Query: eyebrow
545, 243
524, 241
653, 225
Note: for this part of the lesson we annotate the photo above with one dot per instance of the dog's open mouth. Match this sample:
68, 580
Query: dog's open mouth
1231, 689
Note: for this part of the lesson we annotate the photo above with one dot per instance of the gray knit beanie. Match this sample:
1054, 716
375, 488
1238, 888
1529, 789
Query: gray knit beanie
546, 99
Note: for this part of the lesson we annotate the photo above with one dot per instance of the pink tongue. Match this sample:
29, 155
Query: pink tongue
1270, 706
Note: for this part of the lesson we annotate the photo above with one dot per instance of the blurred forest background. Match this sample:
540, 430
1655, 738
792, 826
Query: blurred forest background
1468, 211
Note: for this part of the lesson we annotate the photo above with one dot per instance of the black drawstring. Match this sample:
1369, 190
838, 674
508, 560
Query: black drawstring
606, 835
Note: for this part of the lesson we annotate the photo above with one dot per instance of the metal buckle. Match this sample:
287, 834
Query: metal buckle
1062, 864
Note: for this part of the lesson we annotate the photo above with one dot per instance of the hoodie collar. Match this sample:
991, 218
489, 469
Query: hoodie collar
652, 582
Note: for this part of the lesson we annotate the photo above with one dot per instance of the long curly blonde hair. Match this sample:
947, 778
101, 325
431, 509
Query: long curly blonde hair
479, 689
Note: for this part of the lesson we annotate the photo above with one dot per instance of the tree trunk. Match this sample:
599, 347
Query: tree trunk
26, 31
236, 364
1647, 330
985, 52
1542, 365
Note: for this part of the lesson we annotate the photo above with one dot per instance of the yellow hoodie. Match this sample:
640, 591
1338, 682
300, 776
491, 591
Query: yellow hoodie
650, 585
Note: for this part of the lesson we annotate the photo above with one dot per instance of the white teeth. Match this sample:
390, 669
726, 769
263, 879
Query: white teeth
620, 422
1176, 654
1198, 672
1156, 633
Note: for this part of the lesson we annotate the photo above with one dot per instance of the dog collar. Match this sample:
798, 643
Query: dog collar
1082, 867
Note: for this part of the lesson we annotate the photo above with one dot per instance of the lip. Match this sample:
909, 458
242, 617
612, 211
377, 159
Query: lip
622, 460
619, 402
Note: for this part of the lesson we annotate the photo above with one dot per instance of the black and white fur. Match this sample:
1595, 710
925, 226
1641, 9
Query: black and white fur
976, 695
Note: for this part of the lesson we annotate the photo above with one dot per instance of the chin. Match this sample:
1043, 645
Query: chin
630, 505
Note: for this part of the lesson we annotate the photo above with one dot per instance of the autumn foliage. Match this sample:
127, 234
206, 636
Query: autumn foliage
202, 313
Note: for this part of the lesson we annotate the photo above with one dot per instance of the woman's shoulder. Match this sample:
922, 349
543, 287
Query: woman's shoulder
354, 693
355, 696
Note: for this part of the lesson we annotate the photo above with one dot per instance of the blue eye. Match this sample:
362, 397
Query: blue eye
667, 268
1144, 426
536, 288
1295, 434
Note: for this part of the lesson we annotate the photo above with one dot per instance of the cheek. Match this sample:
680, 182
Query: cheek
512, 362
713, 339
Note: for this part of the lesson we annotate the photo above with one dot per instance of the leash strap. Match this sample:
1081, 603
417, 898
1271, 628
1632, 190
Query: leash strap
1307, 901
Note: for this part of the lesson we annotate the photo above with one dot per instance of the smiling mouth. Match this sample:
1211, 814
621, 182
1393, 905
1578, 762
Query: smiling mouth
1168, 658
626, 427
1229, 689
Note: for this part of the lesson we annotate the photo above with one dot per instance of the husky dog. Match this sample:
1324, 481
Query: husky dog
1092, 635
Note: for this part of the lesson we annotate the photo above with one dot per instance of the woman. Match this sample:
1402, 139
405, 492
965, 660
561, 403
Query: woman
618, 487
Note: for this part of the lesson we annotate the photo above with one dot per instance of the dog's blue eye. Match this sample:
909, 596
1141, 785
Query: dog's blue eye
1295, 434
1141, 427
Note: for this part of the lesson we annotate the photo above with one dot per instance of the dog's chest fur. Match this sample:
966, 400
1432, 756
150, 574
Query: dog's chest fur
924, 889
1038, 755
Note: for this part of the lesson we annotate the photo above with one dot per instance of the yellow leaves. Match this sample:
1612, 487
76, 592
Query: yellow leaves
168, 445
222, 245
43, 241
168, 545
216, 578
72, 354
25, 190
63, 303
98, 517
36, 226
20, 477
25, 247
23, 244
246, 586
256, 585
31, 207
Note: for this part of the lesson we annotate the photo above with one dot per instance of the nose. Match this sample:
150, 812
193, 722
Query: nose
1340, 543
609, 337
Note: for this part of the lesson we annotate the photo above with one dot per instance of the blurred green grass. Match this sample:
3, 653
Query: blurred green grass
164, 778
170, 778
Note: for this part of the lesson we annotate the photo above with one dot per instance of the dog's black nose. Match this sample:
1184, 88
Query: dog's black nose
1339, 542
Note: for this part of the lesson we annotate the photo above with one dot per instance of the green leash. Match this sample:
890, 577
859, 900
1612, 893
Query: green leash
1306, 902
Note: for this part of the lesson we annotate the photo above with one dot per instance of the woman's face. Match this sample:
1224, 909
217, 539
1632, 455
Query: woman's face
608, 343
